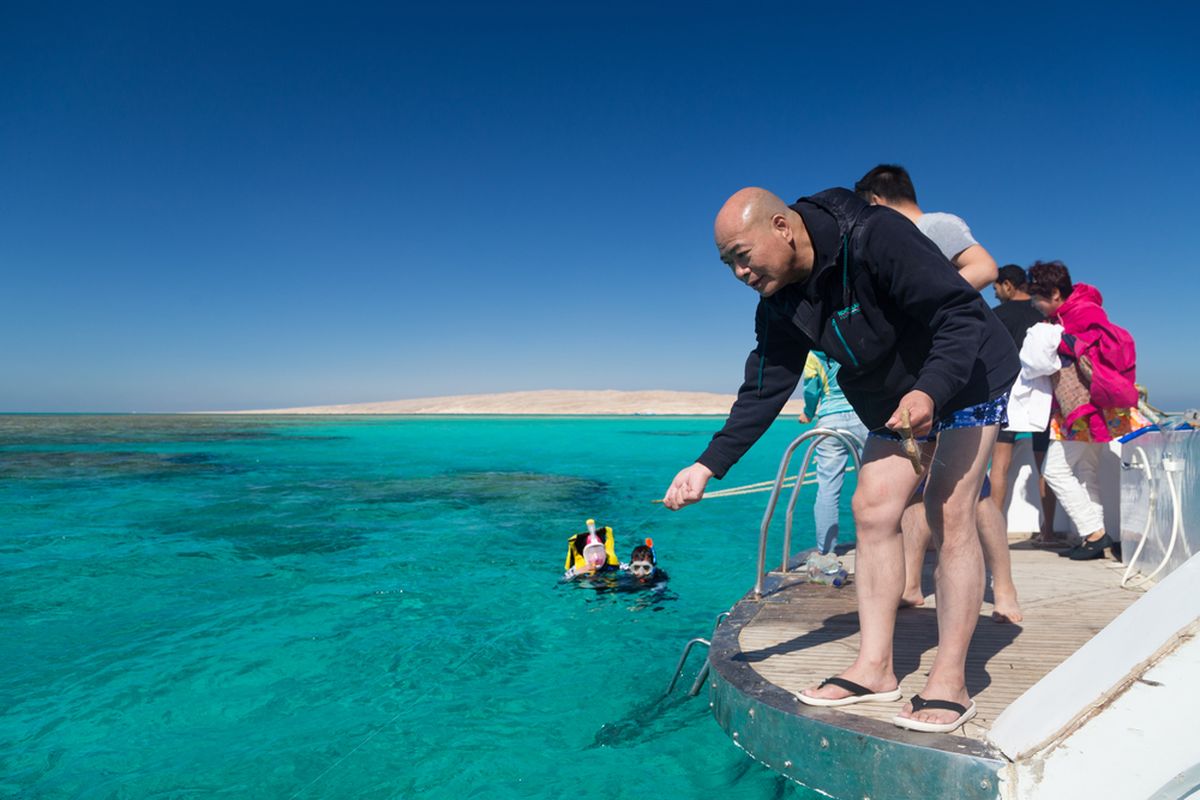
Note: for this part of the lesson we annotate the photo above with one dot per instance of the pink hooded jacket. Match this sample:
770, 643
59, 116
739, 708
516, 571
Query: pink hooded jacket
1111, 352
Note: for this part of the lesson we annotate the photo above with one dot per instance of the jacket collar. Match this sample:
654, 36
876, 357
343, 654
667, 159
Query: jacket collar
823, 232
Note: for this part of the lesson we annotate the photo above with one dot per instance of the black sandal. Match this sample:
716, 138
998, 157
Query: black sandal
965, 714
1086, 550
858, 694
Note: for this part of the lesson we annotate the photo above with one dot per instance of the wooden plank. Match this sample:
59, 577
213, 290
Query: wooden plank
806, 633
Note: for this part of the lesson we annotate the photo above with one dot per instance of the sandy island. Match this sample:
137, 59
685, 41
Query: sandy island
550, 401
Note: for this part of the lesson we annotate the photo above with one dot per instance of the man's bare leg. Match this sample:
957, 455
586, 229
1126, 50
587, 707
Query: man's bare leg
916, 542
951, 500
885, 483
1001, 462
993, 535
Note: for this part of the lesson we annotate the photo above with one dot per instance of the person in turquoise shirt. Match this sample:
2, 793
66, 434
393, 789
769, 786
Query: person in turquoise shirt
827, 407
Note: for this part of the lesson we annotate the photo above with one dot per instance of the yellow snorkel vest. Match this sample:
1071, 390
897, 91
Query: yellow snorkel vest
576, 543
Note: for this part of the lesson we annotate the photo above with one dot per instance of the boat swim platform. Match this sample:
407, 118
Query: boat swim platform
799, 633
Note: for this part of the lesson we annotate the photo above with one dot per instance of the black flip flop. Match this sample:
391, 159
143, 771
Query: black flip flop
859, 694
965, 714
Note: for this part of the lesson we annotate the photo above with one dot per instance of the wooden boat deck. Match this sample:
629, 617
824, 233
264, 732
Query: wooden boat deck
803, 633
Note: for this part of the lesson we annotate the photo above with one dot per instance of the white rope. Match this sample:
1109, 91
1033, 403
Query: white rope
762, 486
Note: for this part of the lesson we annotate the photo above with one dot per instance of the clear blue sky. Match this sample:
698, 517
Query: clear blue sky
232, 205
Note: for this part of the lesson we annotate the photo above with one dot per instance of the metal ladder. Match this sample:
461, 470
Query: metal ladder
687, 648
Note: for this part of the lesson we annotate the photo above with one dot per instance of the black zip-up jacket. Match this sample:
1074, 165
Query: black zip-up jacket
884, 303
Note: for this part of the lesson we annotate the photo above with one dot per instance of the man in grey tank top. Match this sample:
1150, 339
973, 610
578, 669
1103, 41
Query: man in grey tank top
890, 185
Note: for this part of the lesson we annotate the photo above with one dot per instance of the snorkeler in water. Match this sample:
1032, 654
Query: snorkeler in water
591, 556
590, 553
592, 563
643, 566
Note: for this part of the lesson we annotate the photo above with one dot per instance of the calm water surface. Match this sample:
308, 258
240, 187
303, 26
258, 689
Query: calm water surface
359, 607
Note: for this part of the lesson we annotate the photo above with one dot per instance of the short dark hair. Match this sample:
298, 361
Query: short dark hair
889, 181
1014, 274
642, 553
1046, 276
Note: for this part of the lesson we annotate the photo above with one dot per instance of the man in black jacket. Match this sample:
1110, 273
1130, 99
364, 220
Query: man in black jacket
862, 284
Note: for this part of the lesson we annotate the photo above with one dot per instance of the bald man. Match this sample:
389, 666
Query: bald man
863, 285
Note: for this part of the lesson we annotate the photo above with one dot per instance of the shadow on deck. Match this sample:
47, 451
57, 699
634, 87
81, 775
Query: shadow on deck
800, 633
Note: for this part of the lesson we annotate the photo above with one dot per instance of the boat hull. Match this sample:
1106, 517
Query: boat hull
838, 754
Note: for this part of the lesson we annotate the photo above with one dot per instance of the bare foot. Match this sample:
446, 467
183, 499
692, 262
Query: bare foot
1006, 609
936, 715
876, 680
912, 599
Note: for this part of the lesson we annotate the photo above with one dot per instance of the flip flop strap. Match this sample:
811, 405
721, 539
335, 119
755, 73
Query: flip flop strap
856, 689
920, 704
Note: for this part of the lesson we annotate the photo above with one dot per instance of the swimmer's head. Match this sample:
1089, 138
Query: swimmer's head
594, 553
641, 562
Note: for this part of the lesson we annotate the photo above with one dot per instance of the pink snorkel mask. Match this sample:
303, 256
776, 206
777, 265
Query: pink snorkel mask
594, 553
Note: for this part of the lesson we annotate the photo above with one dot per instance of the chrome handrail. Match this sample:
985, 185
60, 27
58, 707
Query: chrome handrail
852, 443
791, 506
808, 454
702, 675
687, 648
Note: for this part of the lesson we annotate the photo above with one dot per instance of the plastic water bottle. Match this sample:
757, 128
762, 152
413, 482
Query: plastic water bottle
825, 569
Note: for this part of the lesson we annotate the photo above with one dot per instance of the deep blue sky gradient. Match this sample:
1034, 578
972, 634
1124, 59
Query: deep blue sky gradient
220, 206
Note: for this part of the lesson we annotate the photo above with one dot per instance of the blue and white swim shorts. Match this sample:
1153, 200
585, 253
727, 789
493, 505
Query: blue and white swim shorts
993, 412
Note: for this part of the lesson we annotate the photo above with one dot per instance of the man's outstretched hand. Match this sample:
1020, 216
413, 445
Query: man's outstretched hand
688, 486
920, 413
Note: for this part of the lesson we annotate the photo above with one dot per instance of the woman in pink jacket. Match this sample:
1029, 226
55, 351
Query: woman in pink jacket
1099, 364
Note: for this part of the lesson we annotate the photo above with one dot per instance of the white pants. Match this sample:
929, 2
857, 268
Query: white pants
1071, 469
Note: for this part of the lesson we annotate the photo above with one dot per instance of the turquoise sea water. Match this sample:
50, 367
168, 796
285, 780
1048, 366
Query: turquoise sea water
360, 607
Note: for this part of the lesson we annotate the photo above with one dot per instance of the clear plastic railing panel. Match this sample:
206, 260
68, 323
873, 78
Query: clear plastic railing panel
1160, 501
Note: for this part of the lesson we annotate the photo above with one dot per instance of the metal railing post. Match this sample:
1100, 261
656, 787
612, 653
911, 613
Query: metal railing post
791, 506
687, 648
852, 443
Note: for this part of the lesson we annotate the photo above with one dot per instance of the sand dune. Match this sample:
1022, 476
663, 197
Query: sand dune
549, 401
